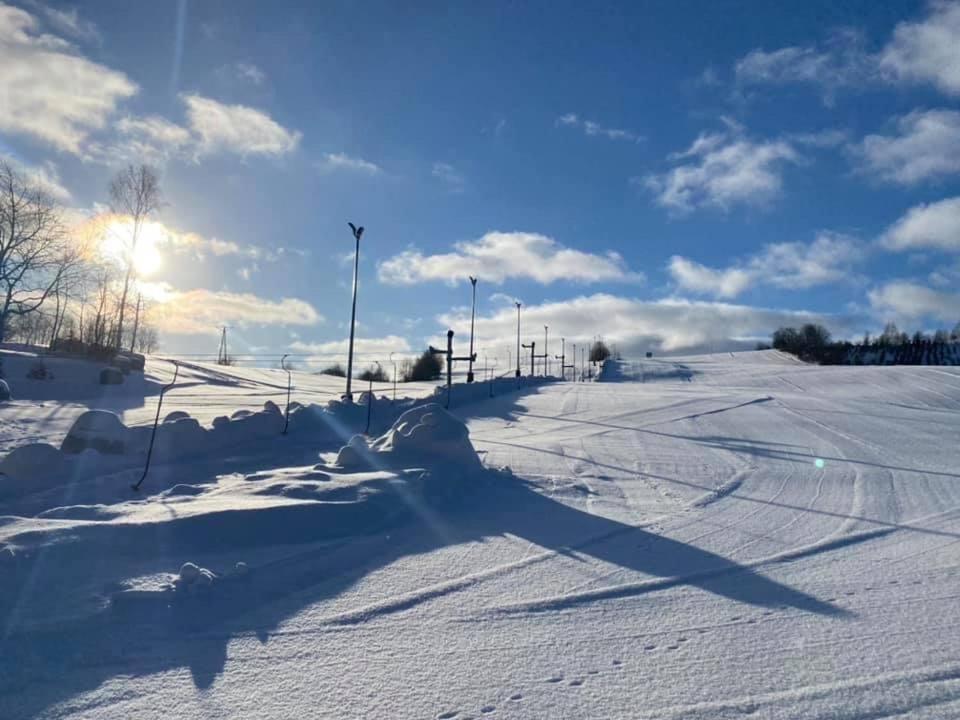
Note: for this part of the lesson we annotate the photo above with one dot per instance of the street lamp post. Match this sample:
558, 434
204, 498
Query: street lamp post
473, 311
518, 339
394, 363
357, 232
546, 349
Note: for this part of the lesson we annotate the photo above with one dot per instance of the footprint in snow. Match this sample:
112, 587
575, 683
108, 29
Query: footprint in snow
447, 715
618, 662
516, 697
555, 679
487, 709
648, 648
576, 682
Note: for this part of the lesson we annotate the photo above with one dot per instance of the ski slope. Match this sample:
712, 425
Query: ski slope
721, 536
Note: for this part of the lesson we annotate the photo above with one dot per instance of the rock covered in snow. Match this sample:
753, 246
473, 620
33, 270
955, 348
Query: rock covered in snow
175, 415
97, 429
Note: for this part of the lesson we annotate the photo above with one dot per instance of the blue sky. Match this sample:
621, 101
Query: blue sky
674, 176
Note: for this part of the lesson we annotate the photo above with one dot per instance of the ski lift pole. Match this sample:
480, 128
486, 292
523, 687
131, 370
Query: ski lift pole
450, 360
153, 434
286, 413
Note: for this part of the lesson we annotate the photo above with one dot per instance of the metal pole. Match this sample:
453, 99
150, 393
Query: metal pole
546, 350
370, 397
449, 365
286, 414
393, 362
357, 232
518, 339
156, 420
574, 362
473, 310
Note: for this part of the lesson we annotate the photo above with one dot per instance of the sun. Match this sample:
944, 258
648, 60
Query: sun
117, 245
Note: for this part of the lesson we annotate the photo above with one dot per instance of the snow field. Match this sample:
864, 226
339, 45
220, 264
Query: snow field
705, 537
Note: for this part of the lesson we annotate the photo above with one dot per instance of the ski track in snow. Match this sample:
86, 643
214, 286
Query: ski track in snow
675, 552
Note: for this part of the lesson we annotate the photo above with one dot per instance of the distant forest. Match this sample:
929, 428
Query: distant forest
813, 343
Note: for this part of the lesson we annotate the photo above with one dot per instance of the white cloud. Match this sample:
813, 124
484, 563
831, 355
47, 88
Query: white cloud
927, 51
924, 148
934, 225
787, 265
47, 91
907, 300
365, 349
449, 176
842, 62
46, 175
691, 275
198, 312
342, 161
722, 170
498, 256
69, 22
667, 325
236, 128
155, 128
595, 129
250, 72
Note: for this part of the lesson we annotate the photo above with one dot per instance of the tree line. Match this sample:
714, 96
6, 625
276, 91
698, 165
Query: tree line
813, 343
56, 286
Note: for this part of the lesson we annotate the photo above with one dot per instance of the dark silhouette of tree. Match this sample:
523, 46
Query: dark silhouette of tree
337, 370
35, 253
374, 373
599, 351
424, 368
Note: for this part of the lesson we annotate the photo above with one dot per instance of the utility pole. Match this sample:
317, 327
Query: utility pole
562, 357
357, 232
546, 351
518, 339
222, 357
473, 311
574, 362
533, 349
448, 353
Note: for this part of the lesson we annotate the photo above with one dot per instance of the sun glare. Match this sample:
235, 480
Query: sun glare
117, 245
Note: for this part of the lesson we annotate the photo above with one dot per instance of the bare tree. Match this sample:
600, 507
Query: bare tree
35, 254
135, 193
148, 339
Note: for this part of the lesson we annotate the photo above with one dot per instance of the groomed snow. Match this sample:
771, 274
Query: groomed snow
720, 536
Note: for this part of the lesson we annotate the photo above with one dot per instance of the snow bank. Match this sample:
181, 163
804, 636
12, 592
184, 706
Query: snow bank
426, 436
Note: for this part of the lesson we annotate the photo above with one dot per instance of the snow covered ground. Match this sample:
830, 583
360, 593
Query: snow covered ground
722, 536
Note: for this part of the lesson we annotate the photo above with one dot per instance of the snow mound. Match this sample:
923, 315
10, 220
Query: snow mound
426, 436
30, 468
100, 430
193, 578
